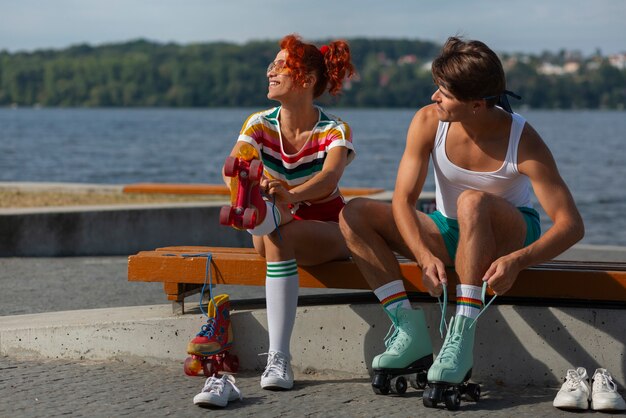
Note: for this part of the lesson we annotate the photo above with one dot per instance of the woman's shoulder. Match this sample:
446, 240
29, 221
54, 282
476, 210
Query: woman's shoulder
264, 116
329, 119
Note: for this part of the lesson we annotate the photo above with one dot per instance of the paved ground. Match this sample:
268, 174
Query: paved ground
48, 284
54, 388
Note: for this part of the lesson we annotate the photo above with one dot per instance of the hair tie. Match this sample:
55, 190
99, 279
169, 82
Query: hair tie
324, 49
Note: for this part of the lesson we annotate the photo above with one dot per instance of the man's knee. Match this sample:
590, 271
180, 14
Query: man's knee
354, 216
471, 204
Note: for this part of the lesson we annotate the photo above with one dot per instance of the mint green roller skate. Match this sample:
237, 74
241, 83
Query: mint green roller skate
409, 352
448, 378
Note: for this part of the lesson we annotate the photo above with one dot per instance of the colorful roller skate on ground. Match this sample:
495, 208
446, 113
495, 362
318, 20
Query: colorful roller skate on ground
448, 378
247, 209
209, 349
409, 353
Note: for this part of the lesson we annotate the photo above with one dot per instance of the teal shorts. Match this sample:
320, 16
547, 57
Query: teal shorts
449, 229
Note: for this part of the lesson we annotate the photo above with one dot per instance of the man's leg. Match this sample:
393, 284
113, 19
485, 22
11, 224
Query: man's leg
489, 228
372, 237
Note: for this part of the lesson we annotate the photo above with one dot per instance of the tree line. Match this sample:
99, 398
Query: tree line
391, 73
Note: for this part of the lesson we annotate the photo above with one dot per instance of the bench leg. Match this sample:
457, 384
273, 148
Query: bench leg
177, 292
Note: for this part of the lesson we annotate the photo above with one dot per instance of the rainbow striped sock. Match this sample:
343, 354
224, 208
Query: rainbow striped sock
468, 302
393, 295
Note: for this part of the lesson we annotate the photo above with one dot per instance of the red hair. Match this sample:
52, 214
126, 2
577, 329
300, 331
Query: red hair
332, 66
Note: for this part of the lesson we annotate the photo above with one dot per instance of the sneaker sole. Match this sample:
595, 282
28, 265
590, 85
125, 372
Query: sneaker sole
207, 403
580, 407
606, 406
276, 386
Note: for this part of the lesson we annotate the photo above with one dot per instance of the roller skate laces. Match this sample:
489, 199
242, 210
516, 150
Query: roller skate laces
604, 393
278, 373
443, 325
218, 391
574, 393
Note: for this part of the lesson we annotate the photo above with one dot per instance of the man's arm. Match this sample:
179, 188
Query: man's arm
535, 160
412, 173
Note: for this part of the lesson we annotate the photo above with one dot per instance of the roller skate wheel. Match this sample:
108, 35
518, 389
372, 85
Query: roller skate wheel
418, 381
249, 218
429, 399
210, 367
472, 392
231, 363
192, 366
256, 170
230, 166
380, 384
226, 215
399, 385
452, 399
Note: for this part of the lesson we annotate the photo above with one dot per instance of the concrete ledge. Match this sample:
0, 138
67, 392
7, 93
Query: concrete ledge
117, 229
534, 345
112, 230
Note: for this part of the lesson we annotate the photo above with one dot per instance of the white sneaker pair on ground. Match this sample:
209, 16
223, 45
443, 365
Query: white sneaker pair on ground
577, 394
218, 391
278, 374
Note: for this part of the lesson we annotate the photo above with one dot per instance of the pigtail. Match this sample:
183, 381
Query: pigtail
338, 64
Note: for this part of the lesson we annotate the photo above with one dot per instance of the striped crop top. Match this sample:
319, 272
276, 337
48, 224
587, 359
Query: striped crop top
262, 130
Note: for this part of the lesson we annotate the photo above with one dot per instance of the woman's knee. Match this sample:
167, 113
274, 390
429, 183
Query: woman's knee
259, 245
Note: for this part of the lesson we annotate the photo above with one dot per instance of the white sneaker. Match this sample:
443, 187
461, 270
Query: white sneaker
278, 373
218, 391
574, 393
604, 396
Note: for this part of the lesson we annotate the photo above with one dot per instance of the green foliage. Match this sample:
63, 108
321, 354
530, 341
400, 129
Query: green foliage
391, 73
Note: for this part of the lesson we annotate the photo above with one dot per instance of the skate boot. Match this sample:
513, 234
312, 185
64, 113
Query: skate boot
209, 348
448, 377
409, 352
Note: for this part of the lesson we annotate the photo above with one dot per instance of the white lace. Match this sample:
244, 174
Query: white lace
211, 385
603, 381
572, 380
216, 385
276, 364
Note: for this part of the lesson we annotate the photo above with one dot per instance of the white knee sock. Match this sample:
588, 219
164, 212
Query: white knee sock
468, 300
281, 295
393, 295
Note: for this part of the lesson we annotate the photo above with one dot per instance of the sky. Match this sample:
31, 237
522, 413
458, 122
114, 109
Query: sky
529, 26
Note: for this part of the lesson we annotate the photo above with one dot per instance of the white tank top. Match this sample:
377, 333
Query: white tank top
506, 182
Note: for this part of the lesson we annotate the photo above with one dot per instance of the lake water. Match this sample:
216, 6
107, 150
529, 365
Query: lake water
118, 146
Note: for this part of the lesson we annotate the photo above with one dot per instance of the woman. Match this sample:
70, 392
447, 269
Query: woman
304, 151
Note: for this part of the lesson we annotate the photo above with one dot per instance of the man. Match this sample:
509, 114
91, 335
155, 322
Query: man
485, 161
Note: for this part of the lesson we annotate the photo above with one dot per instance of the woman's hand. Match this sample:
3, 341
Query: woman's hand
275, 189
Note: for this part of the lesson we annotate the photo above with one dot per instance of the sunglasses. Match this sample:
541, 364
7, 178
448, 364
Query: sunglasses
278, 67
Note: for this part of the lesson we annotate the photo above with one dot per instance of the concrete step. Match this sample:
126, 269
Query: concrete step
514, 344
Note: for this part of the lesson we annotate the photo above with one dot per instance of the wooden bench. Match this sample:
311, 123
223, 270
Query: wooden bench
182, 272
219, 189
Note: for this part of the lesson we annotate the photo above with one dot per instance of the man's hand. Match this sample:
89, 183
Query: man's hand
433, 274
502, 274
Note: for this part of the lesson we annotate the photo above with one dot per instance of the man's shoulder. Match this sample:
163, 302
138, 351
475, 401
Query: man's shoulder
426, 121
428, 112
